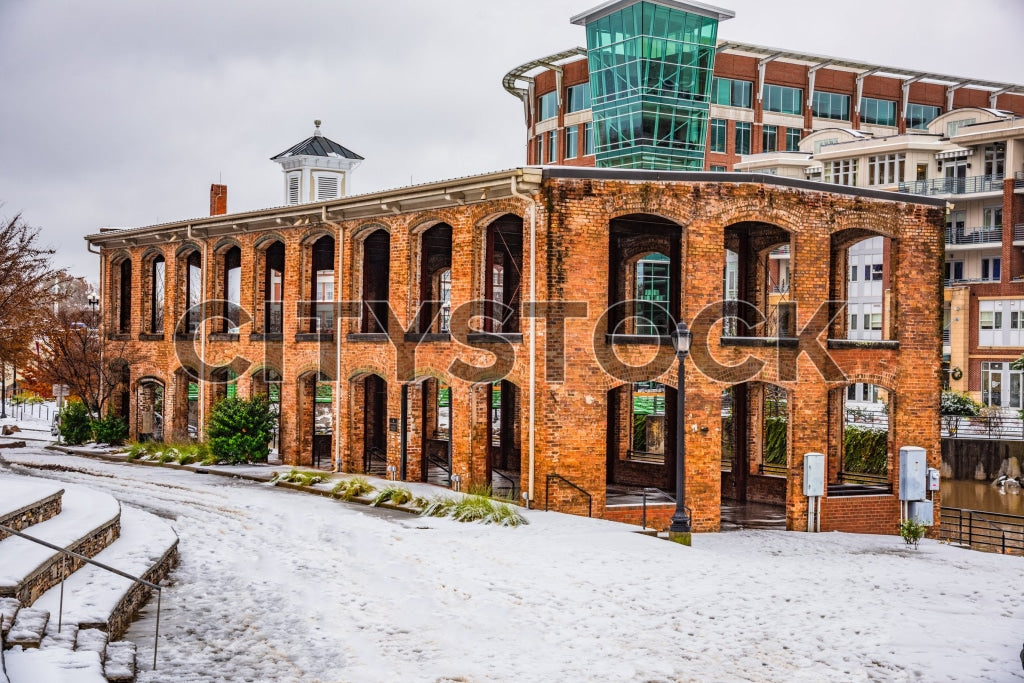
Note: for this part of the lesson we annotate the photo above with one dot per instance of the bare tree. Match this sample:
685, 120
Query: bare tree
27, 291
73, 351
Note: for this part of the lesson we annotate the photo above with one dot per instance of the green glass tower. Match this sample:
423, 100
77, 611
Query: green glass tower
650, 64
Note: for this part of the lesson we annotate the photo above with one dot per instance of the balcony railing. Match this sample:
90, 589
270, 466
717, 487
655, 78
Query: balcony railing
1018, 232
971, 185
1018, 179
946, 336
984, 235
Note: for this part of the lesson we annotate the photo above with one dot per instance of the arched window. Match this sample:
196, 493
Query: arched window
322, 285
503, 275
273, 288
193, 291
232, 289
156, 295
376, 277
435, 278
124, 297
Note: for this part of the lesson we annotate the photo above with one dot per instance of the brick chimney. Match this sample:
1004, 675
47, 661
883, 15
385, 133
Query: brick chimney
218, 200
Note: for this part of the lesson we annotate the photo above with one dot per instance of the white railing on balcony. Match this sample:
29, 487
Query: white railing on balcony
984, 235
970, 185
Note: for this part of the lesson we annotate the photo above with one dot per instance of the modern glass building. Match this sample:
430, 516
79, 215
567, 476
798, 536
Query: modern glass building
651, 66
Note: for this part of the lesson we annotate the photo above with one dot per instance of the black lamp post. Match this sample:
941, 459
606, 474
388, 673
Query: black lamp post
3, 391
680, 529
94, 301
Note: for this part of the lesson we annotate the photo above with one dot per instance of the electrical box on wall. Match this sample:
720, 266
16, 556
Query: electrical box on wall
814, 475
912, 473
933, 479
922, 511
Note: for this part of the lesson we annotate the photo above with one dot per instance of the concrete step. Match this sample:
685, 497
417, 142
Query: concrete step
97, 598
88, 522
33, 666
92, 640
120, 664
25, 501
28, 629
59, 635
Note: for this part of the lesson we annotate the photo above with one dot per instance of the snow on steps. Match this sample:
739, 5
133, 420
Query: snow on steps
54, 666
96, 598
24, 502
88, 522
28, 629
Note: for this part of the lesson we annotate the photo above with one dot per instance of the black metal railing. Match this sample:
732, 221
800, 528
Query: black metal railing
375, 461
441, 464
512, 488
993, 531
1002, 426
772, 469
651, 491
65, 553
985, 235
864, 478
1018, 232
970, 185
558, 477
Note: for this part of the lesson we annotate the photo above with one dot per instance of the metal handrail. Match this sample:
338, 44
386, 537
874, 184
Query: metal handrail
655, 490
547, 492
374, 454
1018, 232
510, 480
969, 185
982, 235
984, 539
66, 552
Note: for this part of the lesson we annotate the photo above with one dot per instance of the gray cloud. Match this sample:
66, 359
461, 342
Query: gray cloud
122, 113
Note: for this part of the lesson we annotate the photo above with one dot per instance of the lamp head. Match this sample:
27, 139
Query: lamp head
681, 338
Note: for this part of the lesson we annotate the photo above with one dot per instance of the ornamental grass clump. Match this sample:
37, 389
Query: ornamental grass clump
397, 495
301, 477
474, 508
356, 487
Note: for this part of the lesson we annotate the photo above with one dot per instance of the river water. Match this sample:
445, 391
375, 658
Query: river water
983, 496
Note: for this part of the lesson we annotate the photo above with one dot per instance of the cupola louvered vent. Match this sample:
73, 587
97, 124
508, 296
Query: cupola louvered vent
327, 187
293, 189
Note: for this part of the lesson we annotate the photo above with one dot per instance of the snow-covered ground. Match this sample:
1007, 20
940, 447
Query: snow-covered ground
276, 585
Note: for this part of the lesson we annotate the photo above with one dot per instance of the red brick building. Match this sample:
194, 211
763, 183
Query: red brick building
398, 329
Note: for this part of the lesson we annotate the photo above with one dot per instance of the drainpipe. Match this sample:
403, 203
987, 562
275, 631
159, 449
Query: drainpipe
532, 431
200, 428
101, 327
336, 432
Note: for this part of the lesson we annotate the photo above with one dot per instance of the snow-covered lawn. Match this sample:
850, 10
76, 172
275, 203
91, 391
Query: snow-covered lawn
276, 585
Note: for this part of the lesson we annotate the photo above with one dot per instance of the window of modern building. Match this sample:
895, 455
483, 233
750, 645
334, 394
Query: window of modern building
954, 271
872, 271
572, 141
769, 139
1001, 323
742, 137
992, 217
540, 149
831, 105
732, 93
588, 139
820, 144
995, 159
577, 97
124, 297
547, 106
991, 269
920, 115
793, 136
853, 322
783, 99
841, 172
232, 289
953, 127
853, 273
719, 128
1001, 385
887, 169
718, 169
156, 295
553, 147
877, 112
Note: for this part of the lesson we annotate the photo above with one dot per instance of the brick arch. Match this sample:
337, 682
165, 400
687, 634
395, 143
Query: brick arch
620, 207
425, 221
363, 230
311, 368
120, 256
362, 372
264, 367
423, 374
224, 244
149, 375
489, 215
866, 221
152, 253
746, 213
313, 234
267, 239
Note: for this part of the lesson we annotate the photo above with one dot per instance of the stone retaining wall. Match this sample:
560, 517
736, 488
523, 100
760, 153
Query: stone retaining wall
34, 513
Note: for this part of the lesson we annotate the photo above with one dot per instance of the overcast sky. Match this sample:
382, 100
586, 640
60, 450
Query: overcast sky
122, 113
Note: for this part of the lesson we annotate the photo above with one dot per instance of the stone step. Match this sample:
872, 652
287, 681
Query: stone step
25, 501
97, 598
33, 666
120, 666
28, 629
92, 640
62, 635
8, 609
88, 522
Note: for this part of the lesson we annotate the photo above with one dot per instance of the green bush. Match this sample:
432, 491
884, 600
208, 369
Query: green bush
865, 450
240, 430
75, 423
911, 531
775, 440
112, 430
955, 405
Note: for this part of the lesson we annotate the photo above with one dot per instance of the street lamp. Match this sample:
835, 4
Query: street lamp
680, 529
94, 301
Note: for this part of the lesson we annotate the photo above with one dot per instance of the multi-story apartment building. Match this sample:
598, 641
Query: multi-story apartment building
781, 111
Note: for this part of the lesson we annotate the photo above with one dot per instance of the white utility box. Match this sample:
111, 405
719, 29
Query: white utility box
814, 475
913, 464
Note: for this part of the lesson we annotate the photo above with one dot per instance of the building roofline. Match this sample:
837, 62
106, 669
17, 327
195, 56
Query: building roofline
576, 172
439, 194
691, 7
509, 82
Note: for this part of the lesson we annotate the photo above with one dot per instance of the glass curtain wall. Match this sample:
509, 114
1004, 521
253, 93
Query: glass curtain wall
650, 79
